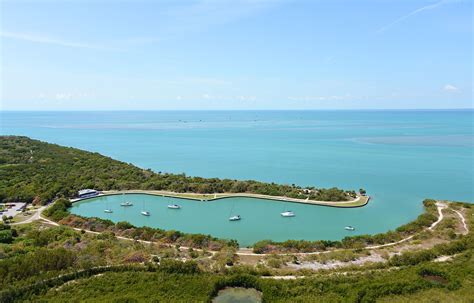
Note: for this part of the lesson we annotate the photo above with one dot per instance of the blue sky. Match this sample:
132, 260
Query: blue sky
94, 55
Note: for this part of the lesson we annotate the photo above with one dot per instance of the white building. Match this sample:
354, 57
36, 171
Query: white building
86, 193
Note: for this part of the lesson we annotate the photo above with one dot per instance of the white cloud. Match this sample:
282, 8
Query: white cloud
450, 88
63, 96
411, 14
322, 98
47, 40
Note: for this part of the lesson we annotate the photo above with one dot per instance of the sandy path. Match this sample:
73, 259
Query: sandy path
463, 221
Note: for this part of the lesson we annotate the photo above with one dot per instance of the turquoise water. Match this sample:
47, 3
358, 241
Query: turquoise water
400, 157
261, 218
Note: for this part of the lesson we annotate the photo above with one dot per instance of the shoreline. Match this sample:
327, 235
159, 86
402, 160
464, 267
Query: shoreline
360, 201
248, 251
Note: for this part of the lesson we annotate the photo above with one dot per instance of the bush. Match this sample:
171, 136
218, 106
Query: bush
59, 209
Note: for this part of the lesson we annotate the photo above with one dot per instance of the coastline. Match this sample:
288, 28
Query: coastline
360, 201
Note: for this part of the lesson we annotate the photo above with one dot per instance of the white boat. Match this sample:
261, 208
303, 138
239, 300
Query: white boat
108, 211
126, 203
145, 213
349, 228
287, 213
174, 206
235, 218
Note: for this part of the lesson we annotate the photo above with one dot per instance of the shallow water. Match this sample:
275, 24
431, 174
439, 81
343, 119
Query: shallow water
238, 295
400, 157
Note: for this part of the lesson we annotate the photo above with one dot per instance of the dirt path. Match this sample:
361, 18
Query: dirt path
357, 202
463, 221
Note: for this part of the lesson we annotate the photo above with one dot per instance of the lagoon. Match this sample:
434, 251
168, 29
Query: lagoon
400, 157
261, 218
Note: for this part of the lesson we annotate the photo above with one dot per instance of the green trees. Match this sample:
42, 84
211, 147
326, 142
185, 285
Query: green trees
6, 233
59, 209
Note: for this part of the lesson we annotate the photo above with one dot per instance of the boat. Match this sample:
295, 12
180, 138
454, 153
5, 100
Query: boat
107, 209
128, 203
287, 213
235, 218
145, 213
174, 206
349, 228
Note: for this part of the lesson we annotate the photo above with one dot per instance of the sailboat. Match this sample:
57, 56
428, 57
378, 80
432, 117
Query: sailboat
144, 212
287, 213
233, 217
107, 209
126, 203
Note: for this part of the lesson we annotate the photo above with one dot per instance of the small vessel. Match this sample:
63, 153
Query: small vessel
128, 203
235, 218
107, 209
174, 206
349, 228
287, 213
144, 212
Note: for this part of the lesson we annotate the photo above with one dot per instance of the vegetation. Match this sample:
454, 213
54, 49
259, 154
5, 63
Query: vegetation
39, 262
32, 170
153, 283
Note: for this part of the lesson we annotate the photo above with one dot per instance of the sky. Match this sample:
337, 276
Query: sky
268, 54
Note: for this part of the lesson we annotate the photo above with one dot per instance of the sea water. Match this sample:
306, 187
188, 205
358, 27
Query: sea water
399, 157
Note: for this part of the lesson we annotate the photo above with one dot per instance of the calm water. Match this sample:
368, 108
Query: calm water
238, 295
400, 157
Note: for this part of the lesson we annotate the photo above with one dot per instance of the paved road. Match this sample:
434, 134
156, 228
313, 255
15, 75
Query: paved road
13, 210
34, 217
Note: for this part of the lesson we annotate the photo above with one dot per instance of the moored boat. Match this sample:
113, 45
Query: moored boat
128, 203
108, 211
287, 213
174, 206
145, 213
235, 218
350, 228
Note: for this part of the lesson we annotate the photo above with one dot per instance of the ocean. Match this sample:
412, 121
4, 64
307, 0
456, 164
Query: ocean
400, 157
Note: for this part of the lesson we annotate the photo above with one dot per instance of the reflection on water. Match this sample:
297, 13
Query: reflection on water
238, 295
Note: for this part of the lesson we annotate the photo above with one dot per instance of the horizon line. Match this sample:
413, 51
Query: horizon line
257, 109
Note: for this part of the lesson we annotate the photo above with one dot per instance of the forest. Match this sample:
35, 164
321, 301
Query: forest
35, 171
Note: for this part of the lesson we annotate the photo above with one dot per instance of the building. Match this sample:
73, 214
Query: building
87, 193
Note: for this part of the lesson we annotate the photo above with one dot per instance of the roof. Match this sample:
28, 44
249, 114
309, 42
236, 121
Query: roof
86, 191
